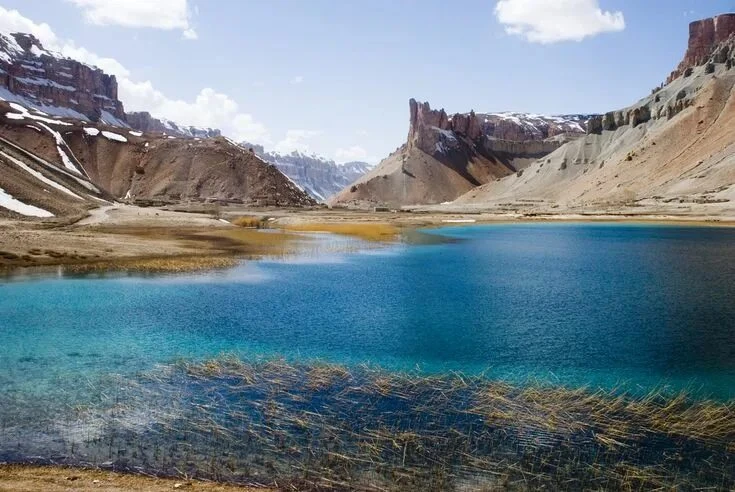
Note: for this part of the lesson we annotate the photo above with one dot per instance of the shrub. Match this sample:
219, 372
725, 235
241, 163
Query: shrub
248, 221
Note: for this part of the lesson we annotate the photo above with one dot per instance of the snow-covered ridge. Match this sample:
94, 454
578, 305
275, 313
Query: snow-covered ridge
319, 176
537, 125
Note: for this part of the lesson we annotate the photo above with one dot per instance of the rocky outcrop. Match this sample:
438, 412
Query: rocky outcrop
704, 38
143, 121
426, 126
613, 120
445, 156
56, 85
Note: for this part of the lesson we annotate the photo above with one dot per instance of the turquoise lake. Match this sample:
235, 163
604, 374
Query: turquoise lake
635, 306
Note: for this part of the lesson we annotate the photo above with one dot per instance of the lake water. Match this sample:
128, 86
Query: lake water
638, 306
127, 372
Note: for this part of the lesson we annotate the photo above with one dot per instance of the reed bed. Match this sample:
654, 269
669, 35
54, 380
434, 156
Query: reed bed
251, 221
368, 231
318, 426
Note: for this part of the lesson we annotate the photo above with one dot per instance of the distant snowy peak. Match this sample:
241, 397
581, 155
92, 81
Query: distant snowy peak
319, 176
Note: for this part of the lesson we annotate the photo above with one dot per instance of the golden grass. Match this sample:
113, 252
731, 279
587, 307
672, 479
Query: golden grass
167, 264
249, 221
321, 426
369, 231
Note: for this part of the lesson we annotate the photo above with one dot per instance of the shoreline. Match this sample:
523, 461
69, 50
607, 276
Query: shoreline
156, 240
20, 477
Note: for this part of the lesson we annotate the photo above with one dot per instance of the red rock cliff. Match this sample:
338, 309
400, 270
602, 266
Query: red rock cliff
704, 37
54, 83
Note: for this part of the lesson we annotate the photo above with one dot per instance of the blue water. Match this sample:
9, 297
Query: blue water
637, 306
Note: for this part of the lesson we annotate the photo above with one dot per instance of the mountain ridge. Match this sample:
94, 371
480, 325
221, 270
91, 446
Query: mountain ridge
319, 176
445, 156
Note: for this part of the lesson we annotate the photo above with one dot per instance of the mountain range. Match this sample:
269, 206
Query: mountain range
672, 151
445, 156
67, 144
316, 175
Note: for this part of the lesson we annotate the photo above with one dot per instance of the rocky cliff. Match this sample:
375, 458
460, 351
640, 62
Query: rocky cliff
705, 37
143, 121
60, 86
517, 127
445, 156
672, 152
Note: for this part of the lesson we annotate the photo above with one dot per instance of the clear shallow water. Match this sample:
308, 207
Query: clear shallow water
602, 305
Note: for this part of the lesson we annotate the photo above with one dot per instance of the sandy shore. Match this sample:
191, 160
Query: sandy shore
22, 478
129, 237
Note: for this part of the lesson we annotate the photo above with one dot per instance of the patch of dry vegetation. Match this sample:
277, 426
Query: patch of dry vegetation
319, 426
369, 231
250, 221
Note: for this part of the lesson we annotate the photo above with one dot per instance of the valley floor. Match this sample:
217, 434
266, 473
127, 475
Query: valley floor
125, 237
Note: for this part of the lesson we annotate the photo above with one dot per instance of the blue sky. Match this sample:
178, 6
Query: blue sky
334, 77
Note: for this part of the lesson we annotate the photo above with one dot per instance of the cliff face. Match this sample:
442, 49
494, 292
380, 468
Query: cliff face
704, 38
673, 151
143, 121
446, 156
56, 85
425, 124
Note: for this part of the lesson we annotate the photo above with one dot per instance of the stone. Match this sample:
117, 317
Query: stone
594, 125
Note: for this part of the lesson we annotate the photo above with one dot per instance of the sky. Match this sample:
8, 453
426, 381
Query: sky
334, 76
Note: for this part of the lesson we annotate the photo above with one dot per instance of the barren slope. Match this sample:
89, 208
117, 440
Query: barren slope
689, 158
149, 168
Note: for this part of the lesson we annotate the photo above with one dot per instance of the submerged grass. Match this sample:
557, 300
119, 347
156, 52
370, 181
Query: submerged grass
318, 426
369, 231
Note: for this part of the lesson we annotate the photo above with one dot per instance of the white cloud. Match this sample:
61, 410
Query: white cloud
158, 14
353, 153
14, 21
551, 21
190, 34
209, 108
297, 80
296, 140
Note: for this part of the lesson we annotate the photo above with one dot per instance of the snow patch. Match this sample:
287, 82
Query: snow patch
7, 201
40, 176
135, 133
46, 82
448, 134
92, 132
114, 136
109, 119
